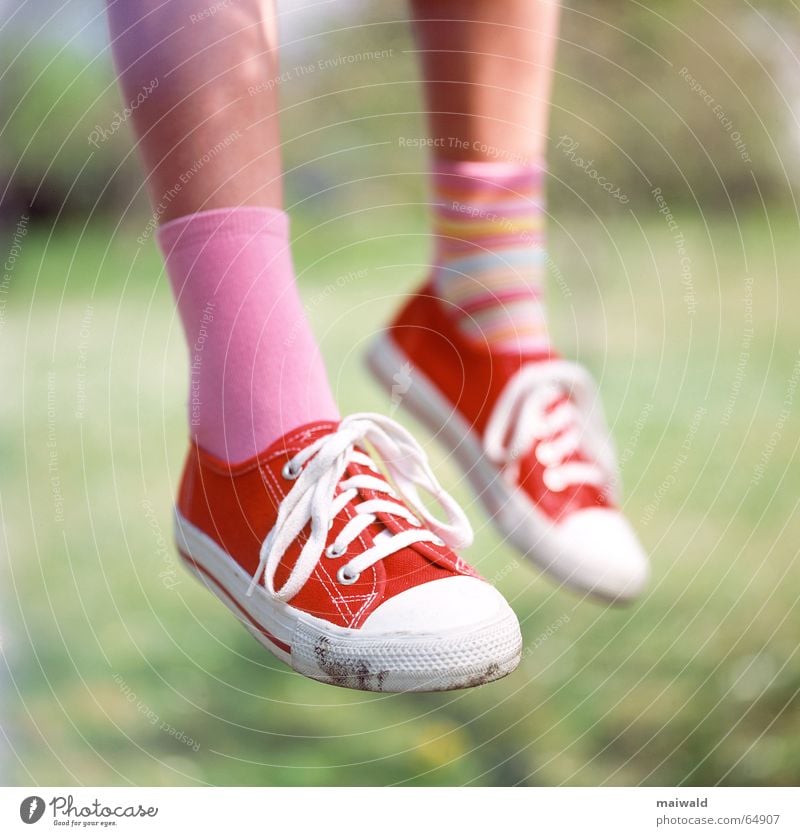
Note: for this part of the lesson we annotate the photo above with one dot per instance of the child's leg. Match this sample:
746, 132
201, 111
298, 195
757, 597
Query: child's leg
472, 347
198, 73
488, 69
488, 72
379, 601
207, 126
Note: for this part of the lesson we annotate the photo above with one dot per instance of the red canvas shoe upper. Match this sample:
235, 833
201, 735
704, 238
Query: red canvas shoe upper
481, 385
238, 507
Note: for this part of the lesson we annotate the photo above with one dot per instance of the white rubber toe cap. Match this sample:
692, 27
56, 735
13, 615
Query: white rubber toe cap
452, 633
446, 606
602, 554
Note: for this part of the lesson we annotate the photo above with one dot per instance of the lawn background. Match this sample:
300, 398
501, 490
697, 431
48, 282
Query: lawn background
117, 668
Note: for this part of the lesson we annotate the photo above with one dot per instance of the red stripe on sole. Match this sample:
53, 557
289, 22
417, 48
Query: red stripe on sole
267, 635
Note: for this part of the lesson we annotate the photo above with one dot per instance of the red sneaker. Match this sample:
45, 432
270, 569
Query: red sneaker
529, 434
330, 569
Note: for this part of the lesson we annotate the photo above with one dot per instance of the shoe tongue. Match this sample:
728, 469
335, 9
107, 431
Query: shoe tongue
356, 468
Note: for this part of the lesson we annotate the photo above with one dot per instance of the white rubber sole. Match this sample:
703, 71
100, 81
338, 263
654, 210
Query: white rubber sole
517, 519
389, 662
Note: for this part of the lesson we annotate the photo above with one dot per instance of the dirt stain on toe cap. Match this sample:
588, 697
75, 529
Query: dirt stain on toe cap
488, 674
349, 673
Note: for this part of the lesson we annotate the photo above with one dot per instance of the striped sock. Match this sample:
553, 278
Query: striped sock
489, 226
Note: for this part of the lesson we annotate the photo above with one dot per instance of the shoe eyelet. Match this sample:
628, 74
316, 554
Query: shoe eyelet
344, 577
291, 471
334, 551
437, 541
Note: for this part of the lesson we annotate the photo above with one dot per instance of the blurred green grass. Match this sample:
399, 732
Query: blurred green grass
119, 669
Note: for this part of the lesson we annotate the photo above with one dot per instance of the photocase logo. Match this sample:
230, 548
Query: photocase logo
65, 811
31, 809
402, 383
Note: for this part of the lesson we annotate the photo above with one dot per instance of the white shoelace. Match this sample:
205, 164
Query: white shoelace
318, 470
524, 416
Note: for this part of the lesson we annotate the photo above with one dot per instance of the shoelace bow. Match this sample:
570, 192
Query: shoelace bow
319, 469
553, 407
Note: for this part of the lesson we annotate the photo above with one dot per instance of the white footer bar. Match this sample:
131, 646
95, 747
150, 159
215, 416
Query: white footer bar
409, 811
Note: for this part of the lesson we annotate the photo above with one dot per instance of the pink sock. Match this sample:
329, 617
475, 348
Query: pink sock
255, 368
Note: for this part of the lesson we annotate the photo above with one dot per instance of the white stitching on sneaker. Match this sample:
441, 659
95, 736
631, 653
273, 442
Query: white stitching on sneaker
313, 499
525, 414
